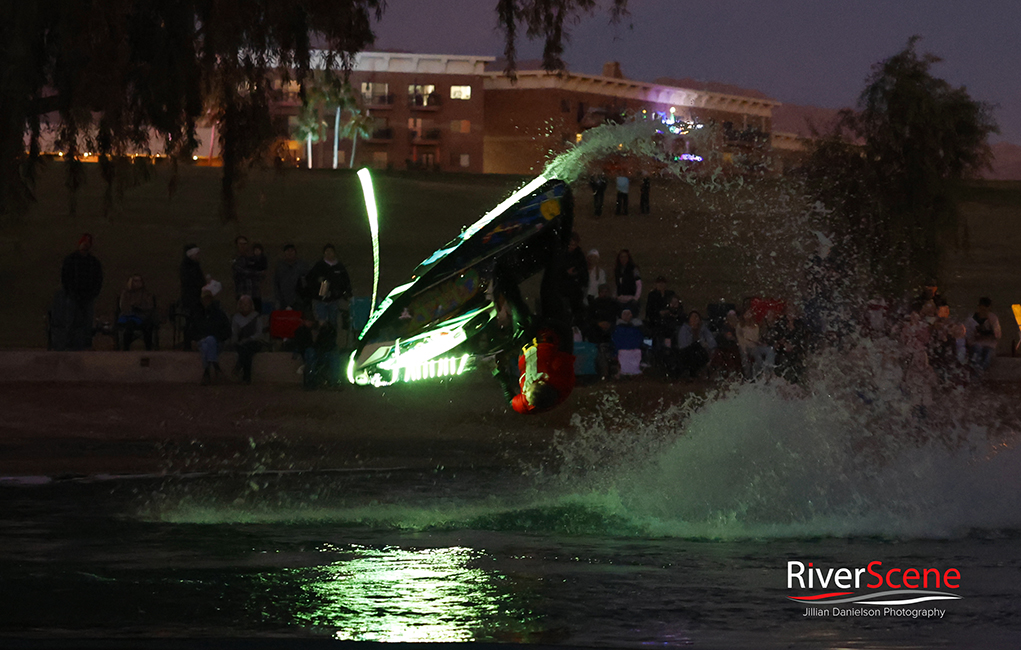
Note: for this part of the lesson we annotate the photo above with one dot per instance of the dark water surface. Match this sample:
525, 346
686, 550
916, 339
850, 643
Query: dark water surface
442, 556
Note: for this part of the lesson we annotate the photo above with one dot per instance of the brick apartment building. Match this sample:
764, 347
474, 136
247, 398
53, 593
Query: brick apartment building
426, 111
542, 112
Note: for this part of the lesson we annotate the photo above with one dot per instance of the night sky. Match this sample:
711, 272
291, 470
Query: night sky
796, 51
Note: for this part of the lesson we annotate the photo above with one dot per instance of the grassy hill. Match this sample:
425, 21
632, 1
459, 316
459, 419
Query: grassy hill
709, 246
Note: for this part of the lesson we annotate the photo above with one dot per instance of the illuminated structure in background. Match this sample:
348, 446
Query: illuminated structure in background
426, 111
542, 113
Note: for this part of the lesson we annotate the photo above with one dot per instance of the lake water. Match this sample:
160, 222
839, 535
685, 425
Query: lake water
667, 530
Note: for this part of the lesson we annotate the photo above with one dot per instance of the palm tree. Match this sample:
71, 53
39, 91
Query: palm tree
310, 127
358, 124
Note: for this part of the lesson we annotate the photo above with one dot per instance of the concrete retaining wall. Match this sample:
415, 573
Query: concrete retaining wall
136, 366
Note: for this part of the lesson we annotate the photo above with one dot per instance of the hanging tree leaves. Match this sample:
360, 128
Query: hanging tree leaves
549, 20
117, 71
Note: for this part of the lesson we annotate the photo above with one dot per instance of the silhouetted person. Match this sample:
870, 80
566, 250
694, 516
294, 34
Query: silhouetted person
289, 272
623, 188
598, 184
81, 277
643, 197
192, 281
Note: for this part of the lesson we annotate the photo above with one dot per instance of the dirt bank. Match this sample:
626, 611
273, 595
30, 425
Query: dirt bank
84, 429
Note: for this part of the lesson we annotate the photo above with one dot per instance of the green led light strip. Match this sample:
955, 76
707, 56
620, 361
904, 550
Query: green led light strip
373, 216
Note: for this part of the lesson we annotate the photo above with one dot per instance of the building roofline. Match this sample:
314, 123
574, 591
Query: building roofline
413, 62
648, 91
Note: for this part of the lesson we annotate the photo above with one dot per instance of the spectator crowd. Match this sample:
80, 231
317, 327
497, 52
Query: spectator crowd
308, 308
621, 328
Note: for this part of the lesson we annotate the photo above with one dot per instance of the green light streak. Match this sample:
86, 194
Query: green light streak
532, 185
373, 216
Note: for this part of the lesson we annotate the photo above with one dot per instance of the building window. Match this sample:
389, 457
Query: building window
376, 94
565, 106
423, 95
461, 126
460, 92
381, 129
465, 160
379, 159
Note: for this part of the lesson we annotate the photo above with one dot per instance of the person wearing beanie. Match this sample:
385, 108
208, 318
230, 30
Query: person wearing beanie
81, 278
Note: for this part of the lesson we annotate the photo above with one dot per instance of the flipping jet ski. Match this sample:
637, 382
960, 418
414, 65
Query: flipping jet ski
445, 317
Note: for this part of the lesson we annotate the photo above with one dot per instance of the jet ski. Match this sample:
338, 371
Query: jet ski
445, 318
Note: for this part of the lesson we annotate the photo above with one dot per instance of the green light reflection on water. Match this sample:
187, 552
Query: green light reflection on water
420, 595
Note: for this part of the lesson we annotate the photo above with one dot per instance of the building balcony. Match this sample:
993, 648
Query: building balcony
378, 102
381, 135
430, 102
427, 136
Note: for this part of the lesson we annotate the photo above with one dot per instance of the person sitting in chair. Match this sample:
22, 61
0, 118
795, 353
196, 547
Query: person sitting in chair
136, 310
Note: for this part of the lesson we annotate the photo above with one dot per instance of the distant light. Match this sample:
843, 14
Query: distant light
194, 157
673, 109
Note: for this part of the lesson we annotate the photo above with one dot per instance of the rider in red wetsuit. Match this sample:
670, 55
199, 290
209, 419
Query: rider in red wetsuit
544, 343
547, 374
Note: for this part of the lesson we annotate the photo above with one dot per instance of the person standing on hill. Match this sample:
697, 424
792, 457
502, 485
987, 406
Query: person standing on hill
289, 272
329, 284
192, 281
81, 277
575, 280
623, 188
259, 268
597, 182
643, 196
243, 269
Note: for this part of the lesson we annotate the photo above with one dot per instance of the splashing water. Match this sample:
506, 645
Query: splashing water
851, 452
771, 460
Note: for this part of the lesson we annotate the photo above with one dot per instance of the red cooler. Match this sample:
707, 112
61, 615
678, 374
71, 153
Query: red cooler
283, 323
